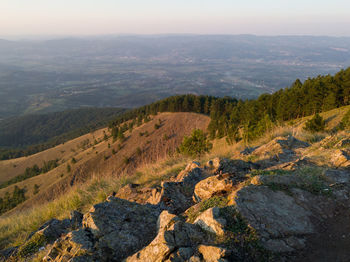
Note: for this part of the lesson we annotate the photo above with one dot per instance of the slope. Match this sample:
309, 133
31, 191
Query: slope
144, 144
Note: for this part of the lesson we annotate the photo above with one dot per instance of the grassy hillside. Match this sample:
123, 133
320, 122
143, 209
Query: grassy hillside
143, 145
29, 134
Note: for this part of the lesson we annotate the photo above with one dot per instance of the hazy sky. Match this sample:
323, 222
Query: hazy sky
90, 17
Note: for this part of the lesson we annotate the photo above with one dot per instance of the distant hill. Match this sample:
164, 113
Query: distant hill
32, 133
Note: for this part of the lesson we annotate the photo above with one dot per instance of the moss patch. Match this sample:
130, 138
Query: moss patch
195, 211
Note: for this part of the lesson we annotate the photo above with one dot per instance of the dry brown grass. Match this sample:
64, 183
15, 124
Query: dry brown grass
63, 152
100, 160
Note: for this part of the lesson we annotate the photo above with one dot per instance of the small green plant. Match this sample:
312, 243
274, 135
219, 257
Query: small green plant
69, 168
126, 160
113, 151
138, 151
73, 161
215, 201
315, 124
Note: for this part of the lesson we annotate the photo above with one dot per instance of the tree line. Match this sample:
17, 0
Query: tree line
249, 119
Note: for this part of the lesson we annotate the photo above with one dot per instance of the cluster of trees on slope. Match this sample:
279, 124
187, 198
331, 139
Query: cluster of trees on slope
30, 134
31, 172
10, 201
254, 117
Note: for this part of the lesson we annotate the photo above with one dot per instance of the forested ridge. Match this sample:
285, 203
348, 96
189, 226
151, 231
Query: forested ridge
236, 119
30, 134
253, 117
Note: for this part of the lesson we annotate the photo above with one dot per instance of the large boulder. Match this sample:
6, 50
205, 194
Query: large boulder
120, 227
173, 196
191, 175
275, 215
174, 242
210, 220
210, 186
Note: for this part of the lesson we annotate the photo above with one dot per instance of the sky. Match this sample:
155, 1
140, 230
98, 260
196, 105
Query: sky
104, 17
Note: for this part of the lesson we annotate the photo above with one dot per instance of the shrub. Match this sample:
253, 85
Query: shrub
126, 160
196, 144
138, 151
315, 124
68, 168
36, 189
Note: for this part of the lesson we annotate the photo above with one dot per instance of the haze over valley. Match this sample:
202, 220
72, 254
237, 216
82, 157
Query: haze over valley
39, 76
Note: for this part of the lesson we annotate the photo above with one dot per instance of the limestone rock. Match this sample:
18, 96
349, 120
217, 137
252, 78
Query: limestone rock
210, 220
273, 214
280, 148
133, 193
231, 166
121, 227
212, 185
191, 175
173, 242
340, 158
76, 219
76, 244
213, 253
174, 196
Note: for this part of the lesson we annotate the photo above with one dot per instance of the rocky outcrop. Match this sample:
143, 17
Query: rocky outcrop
219, 184
210, 220
280, 149
111, 231
227, 210
235, 167
213, 253
340, 158
174, 242
275, 215
135, 193
176, 196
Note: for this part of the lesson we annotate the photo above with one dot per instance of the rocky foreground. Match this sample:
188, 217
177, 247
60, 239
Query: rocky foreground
271, 203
